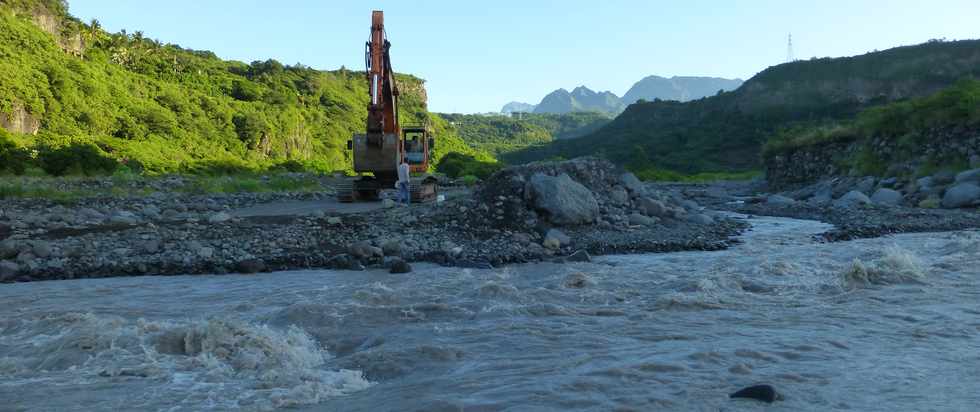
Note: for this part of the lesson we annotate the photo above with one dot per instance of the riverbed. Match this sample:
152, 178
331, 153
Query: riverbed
889, 323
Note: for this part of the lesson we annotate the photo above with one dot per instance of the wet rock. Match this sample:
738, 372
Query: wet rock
765, 393
779, 200
853, 198
576, 281
969, 176
400, 266
8, 270
579, 256
364, 250
961, 195
636, 219
220, 217
250, 266
887, 197
565, 201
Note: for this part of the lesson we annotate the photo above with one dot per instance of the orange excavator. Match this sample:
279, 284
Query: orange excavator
386, 144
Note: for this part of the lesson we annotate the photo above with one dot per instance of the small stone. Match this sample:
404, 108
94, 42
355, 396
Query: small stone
580, 256
205, 252
388, 203
559, 236
151, 246
333, 220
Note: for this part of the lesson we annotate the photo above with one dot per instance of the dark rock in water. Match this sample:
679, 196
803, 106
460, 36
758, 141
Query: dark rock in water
765, 393
400, 266
250, 266
5, 231
580, 256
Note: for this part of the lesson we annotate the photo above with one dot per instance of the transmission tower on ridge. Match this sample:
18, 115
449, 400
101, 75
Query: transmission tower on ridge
789, 50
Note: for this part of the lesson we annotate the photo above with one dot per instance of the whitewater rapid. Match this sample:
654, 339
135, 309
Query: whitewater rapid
878, 324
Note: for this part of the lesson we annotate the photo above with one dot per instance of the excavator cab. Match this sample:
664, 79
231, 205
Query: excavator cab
417, 146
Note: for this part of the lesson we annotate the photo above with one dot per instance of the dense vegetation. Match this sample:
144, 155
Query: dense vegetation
726, 132
162, 108
907, 123
504, 134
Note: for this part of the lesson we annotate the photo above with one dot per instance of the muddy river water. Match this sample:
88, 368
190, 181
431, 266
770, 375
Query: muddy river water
871, 325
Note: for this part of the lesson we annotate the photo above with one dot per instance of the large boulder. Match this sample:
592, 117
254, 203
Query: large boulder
652, 207
631, 182
852, 199
866, 185
887, 197
969, 176
961, 195
563, 200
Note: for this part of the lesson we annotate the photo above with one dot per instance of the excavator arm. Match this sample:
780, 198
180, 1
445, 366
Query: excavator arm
383, 109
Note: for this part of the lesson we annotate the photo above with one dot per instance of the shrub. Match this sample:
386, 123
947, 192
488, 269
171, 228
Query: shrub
75, 158
13, 159
458, 164
470, 180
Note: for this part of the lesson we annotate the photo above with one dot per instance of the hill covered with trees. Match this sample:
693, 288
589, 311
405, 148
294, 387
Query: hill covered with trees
505, 134
70, 86
726, 132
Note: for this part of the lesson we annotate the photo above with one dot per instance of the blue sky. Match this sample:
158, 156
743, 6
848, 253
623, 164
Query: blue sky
476, 56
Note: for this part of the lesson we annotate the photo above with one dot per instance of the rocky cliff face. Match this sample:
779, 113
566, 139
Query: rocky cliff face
19, 121
837, 159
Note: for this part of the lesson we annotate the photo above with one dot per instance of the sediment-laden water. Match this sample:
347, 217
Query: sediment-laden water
880, 324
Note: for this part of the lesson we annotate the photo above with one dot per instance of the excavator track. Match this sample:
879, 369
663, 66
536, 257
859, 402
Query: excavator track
423, 191
345, 191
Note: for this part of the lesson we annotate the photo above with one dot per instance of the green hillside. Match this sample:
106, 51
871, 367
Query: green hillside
163, 108
505, 134
908, 124
726, 132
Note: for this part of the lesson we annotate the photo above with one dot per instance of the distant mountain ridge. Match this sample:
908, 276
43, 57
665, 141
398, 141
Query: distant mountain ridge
650, 88
726, 132
679, 88
517, 107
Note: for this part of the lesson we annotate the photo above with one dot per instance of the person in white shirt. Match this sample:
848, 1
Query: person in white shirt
403, 183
